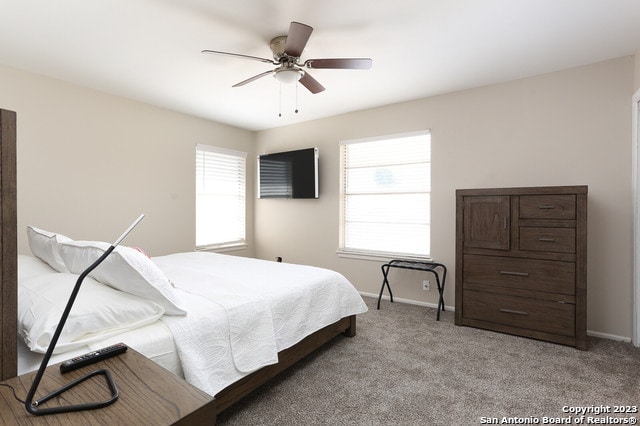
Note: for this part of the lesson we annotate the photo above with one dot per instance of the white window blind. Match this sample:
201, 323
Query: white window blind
220, 197
386, 196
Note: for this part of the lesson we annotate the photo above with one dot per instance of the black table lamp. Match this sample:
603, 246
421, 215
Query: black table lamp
32, 406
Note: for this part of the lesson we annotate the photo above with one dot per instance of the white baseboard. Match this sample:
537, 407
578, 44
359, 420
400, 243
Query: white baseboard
609, 336
409, 301
453, 309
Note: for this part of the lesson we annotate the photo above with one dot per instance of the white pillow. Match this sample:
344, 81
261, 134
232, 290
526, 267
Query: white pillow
125, 269
45, 246
99, 311
31, 266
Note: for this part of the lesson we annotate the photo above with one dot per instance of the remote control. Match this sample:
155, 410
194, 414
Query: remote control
91, 357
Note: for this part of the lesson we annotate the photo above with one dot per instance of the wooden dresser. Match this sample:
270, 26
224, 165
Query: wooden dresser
521, 262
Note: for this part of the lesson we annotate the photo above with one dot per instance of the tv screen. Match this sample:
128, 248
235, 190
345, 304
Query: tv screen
291, 174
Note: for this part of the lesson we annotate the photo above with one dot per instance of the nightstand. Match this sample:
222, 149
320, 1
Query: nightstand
149, 395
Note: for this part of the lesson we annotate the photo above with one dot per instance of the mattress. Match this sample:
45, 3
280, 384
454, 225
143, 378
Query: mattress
154, 341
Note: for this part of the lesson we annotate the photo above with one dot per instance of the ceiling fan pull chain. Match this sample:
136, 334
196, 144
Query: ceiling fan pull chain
296, 110
280, 101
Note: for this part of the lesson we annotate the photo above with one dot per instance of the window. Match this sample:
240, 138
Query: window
220, 197
386, 196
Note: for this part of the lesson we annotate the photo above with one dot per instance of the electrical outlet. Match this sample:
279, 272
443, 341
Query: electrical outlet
425, 285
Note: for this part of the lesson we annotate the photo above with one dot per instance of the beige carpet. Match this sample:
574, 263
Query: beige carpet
404, 368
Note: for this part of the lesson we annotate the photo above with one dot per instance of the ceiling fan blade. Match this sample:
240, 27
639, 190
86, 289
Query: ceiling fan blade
255, 77
297, 39
340, 63
237, 55
311, 83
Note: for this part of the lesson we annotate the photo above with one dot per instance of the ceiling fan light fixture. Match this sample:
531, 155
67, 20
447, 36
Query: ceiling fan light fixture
288, 75
287, 50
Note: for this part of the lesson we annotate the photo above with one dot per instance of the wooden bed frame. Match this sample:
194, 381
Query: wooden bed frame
286, 358
8, 247
8, 289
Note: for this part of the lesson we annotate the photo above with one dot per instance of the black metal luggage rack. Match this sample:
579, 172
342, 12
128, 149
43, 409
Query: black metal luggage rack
417, 265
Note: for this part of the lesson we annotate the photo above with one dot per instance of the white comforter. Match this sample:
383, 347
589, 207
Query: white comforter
242, 311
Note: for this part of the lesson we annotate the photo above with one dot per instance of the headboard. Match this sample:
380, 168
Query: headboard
8, 247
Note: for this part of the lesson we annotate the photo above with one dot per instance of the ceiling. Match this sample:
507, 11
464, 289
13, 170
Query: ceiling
150, 50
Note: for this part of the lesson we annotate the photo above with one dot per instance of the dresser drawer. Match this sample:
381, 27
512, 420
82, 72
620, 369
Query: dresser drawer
557, 240
548, 206
527, 274
531, 314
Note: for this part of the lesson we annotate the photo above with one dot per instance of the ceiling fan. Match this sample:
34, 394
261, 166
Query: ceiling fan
286, 55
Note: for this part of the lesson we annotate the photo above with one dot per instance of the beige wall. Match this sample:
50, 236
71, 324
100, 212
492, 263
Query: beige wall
637, 71
567, 128
89, 163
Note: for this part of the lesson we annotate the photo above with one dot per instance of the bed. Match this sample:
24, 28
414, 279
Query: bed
224, 323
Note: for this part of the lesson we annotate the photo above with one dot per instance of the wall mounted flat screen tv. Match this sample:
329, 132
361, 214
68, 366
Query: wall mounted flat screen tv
290, 174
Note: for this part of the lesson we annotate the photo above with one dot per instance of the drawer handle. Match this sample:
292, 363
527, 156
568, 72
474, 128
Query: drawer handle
547, 240
546, 207
519, 274
511, 311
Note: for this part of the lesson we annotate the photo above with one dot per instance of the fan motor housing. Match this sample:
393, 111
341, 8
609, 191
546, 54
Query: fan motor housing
277, 46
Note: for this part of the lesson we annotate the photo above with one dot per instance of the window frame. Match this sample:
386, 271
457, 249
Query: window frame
377, 255
231, 244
